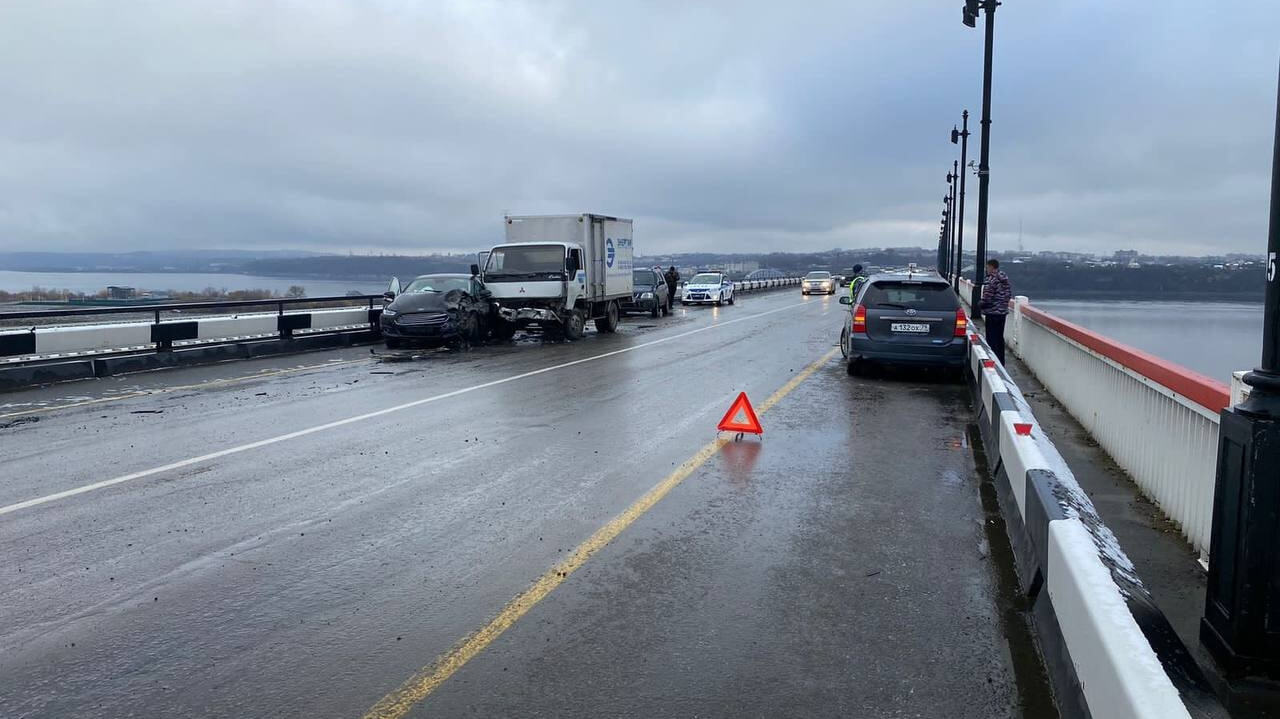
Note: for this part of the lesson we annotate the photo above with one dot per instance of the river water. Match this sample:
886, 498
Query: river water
179, 281
1212, 338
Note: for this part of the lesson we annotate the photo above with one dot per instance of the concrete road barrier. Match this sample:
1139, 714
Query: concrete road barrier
54, 353
1109, 649
52, 341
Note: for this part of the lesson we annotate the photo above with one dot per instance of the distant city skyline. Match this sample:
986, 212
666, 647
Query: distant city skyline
747, 126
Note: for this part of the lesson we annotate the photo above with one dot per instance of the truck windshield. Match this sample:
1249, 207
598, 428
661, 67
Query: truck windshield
525, 261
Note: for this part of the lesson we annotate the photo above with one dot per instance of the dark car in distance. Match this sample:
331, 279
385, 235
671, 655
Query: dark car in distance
904, 319
649, 293
435, 310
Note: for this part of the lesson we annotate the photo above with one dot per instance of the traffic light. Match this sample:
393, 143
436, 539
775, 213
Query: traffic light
971, 8
955, 136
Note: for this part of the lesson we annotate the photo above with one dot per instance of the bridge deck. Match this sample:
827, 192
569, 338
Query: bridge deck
256, 559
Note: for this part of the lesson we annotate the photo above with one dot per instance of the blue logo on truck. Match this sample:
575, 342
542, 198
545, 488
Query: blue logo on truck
608, 252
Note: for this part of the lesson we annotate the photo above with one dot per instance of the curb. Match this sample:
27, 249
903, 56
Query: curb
1109, 650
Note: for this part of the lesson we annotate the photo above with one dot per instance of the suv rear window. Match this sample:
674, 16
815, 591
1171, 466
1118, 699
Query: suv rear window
912, 295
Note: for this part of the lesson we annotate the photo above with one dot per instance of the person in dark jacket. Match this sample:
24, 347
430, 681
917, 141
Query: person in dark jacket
673, 278
996, 294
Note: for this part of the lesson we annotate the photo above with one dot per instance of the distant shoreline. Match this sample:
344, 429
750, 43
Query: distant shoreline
1251, 297
1224, 297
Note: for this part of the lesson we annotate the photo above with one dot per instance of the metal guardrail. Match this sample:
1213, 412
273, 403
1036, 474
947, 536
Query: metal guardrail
198, 326
279, 302
82, 332
751, 285
1156, 419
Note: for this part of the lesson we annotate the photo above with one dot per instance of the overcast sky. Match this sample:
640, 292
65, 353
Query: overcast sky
736, 126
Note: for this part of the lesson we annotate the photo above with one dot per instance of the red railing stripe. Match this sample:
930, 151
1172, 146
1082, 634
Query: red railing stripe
1204, 391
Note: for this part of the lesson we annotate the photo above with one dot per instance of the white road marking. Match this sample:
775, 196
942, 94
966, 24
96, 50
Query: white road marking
84, 489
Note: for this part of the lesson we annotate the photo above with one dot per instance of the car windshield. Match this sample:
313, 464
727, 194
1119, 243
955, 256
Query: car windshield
818, 276
438, 284
906, 295
706, 278
642, 277
525, 261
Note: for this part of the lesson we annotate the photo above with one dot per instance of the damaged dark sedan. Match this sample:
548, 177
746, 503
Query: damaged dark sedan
436, 310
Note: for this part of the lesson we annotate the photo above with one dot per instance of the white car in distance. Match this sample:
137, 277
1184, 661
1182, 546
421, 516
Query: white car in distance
708, 287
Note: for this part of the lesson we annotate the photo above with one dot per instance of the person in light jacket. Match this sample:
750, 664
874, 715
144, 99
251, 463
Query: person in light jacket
996, 294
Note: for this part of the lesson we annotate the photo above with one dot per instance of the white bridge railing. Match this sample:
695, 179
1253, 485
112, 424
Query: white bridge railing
1156, 419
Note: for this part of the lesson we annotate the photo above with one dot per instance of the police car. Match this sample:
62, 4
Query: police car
708, 287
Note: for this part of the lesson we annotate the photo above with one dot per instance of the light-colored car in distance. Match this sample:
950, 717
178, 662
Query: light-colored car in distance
816, 282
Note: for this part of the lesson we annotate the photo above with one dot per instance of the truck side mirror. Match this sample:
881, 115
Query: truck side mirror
475, 270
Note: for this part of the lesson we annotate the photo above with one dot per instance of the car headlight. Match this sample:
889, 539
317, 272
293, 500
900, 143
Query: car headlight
646, 295
388, 312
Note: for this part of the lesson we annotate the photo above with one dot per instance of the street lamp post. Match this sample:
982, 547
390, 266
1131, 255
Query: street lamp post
1241, 623
946, 233
971, 8
963, 137
942, 242
954, 265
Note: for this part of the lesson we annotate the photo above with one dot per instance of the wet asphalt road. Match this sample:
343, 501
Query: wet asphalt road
279, 564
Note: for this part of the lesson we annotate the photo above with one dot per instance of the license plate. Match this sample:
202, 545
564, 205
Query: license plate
915, 327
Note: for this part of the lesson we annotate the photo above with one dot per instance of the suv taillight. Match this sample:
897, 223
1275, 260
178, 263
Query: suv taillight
860, 319
962, 322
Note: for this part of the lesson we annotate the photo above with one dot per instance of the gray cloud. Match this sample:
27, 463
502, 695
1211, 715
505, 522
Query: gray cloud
751, 126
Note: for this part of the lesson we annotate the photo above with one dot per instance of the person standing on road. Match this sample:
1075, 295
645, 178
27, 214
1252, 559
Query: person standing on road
996, 294
855, 281
673, 278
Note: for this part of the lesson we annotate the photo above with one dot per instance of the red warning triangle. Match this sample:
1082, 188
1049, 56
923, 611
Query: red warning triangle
751, 423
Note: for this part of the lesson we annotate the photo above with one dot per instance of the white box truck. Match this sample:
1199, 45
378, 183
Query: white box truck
555, 272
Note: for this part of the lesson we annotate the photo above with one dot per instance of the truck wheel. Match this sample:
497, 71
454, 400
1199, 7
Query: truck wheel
608, 323
574, 326
503, 330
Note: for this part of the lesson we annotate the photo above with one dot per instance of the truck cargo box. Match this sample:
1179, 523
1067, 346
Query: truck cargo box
606, 243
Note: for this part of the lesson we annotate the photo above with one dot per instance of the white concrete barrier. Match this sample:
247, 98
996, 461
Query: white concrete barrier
1110, 651
81, 339
1157, 420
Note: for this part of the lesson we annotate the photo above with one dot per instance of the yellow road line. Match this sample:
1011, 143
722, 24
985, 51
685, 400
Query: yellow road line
180, 388
400, 702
